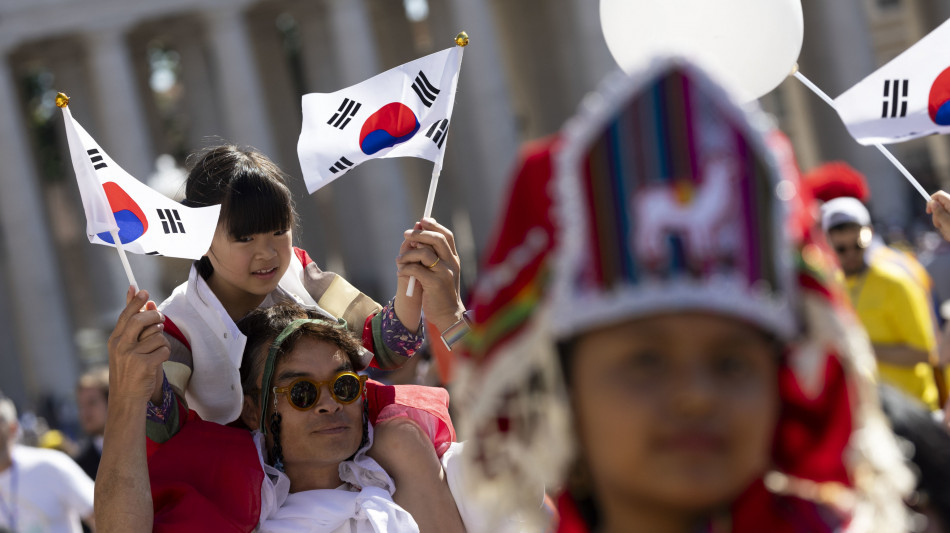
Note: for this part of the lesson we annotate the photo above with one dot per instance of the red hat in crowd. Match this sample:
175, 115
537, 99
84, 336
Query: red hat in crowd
835, 180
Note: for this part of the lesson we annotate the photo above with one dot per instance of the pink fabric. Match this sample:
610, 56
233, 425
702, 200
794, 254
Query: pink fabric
427, 406
435, 428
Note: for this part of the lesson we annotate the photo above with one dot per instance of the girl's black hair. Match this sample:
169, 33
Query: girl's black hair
250, 188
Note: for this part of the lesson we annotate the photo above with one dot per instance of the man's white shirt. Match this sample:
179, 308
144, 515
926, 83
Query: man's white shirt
47, 490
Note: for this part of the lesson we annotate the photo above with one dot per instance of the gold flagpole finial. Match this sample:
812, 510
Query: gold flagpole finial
62, 100
794, 69
461, 39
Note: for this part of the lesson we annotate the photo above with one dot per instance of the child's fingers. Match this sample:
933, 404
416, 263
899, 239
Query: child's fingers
150, 331
420, 272
424, 255
433, 225
160, 355
438, 241
151, 344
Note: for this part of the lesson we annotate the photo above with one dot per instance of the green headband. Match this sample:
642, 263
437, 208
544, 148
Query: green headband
272, 355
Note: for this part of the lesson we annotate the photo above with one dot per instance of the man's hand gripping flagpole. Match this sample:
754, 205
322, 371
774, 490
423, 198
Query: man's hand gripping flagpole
102, 203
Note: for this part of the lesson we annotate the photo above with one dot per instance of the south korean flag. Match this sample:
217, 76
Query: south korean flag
403, 112
147, 222
909, 97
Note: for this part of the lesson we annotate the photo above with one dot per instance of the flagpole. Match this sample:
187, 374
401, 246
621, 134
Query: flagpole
887, 153
461, 40
62, 101
124, 259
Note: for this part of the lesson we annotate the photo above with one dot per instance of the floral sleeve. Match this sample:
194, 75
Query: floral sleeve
398, 343
161, 421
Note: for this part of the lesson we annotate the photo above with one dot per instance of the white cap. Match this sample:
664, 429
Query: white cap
844, 210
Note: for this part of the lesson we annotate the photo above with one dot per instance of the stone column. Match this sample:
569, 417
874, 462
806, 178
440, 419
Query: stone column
935, 12
800, 125
594, 59
44, 342
319, 76
123, 132
837, 53
122, 128
204, 115
372, 197
95, 278
484, 132
238, 84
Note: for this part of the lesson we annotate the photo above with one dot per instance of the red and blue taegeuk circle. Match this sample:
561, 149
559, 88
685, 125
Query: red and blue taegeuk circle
393, 124
128, 215
939, 102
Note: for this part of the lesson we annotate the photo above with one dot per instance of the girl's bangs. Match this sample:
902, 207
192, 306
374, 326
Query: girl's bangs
256, 204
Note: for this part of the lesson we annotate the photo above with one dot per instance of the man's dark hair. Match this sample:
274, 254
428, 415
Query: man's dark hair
263, 325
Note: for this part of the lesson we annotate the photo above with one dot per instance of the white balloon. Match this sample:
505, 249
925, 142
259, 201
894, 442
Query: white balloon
749, 45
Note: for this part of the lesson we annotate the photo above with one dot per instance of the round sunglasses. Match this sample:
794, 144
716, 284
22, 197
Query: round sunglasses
302, 393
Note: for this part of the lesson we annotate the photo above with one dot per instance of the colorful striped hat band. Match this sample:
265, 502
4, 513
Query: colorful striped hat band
272, 357
667, 201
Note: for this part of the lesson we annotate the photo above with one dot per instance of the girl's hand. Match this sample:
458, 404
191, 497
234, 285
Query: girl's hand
137, 350
429, 254
939, 207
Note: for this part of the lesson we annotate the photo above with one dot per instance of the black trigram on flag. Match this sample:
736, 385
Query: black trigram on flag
96, 159
895, 99
438, 132
342, 164
171, 221
345, 113
426, 91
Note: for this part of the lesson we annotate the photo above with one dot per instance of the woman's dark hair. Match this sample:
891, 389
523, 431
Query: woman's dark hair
250, 188
262, 325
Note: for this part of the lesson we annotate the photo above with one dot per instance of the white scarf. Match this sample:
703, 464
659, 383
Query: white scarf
214, 387
364, 504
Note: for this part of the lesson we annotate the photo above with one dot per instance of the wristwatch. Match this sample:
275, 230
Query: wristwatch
456, 331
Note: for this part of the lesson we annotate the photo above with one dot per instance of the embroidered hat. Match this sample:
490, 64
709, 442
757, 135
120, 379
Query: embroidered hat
661, 196
668, 203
